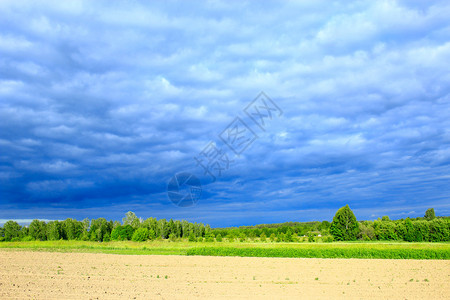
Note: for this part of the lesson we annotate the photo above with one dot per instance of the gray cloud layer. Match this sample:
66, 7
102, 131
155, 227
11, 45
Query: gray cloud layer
102, 103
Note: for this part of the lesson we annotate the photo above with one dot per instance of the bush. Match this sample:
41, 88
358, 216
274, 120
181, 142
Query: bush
219, 238
140, 235
191, 237
27, 238
273, 237
365, 237
209, 237
263, 237
242, 237
327, 239
230, 237
311, 237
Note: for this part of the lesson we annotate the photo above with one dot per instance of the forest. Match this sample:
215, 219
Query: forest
344, 227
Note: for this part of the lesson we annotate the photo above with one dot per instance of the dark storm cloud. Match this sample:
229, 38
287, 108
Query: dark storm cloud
102, 103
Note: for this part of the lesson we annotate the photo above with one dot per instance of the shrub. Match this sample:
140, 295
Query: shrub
242, 237
209, 237
273, 237
219, 238
27, 238
263, 237
327, 239
191, 237
311, 237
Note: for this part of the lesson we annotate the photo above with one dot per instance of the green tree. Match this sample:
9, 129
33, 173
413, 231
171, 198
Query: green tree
140, 235
410, 232
99, 227
178, 229
131, 219
163, 228
172, 237
344, 227
72, 229
38, 230
429, 214
366, 231
440, 230
324, 227
122, 233
11, 230
151, 234
385, 230
289, 236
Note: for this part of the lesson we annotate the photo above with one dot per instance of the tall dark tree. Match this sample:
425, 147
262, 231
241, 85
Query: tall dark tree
344, 226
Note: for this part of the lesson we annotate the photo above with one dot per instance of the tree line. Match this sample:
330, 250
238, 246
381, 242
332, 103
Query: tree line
344, 227
101, 230
427, 229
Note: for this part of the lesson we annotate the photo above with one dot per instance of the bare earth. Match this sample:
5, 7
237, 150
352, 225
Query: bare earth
47, 275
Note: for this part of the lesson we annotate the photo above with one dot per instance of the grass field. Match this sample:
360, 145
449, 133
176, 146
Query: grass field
389, 250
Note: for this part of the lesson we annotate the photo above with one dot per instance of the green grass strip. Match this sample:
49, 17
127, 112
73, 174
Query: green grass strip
323, 252
399, 250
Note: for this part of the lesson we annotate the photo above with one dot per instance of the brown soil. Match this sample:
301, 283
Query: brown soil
47, 275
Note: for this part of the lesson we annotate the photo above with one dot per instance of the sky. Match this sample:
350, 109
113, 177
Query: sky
102, 103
